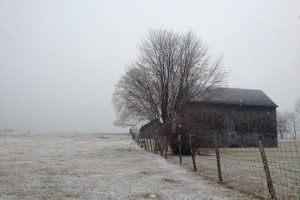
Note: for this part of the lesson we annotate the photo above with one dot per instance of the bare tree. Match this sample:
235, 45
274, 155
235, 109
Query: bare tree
282, 123
291, 123
170, 70
297, 111
297, 107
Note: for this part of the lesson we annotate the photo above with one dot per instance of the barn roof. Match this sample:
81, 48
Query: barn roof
237, 96
151, 123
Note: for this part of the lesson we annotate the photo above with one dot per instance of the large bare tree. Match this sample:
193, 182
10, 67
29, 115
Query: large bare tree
171, 69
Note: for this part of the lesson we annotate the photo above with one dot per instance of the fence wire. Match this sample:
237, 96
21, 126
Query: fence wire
243, 168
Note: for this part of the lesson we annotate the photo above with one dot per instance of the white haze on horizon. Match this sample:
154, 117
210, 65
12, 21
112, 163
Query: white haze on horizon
60, 59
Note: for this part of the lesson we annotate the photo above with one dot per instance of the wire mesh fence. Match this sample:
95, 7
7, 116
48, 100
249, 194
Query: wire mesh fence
266, 172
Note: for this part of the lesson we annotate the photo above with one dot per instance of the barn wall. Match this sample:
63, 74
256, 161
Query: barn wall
149, 130
236, 125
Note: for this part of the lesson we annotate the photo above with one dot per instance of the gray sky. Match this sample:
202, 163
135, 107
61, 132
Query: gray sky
60, 60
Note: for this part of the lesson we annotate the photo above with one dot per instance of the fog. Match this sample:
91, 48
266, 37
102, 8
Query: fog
60, 60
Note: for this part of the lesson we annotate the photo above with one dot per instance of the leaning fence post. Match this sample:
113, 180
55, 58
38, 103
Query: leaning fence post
179, 147
193, 154
216, 143
267, 170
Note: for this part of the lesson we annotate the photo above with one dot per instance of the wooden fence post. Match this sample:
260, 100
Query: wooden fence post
166, 147
216, 143
267, 170
156, 146
161, 144
147, 141
193, 153
179, 147
150, 144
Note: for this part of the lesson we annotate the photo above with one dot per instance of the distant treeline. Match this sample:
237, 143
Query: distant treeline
7, 130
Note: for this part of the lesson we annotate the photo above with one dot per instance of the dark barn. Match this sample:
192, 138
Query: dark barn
148, 130
239, 117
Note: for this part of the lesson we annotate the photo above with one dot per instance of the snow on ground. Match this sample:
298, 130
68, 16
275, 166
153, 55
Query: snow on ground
94, 166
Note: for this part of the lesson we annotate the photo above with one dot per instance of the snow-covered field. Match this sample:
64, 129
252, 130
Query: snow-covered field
94, 166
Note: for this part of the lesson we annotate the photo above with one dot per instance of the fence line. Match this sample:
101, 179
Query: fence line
267, 172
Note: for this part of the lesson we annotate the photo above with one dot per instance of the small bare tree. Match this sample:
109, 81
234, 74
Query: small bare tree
297, 111
297, 107
281, 124
170, 70
292, 123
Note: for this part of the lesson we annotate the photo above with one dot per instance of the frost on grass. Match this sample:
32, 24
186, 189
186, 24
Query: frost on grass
94, 166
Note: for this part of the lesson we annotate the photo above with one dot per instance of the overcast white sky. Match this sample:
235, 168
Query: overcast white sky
60, 60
